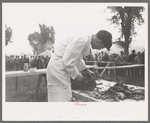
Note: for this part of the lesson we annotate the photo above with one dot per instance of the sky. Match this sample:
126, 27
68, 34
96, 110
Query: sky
66, 18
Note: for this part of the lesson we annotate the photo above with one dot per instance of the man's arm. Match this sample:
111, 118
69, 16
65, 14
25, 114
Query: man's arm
80, 64
71, 55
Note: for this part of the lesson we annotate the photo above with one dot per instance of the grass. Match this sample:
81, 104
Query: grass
26, 89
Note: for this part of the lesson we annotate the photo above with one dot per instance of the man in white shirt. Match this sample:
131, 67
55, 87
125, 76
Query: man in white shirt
67, 61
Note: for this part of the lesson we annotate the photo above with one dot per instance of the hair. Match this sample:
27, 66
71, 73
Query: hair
121, 51
106, 38
133, 51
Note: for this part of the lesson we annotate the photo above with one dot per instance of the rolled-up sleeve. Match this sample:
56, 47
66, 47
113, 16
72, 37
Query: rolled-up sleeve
71, 55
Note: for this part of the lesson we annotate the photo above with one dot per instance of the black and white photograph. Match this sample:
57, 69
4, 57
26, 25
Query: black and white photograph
75, 61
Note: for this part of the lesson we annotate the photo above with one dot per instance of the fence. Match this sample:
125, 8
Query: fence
130, 70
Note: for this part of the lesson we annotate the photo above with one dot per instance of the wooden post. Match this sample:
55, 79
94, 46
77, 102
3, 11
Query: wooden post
38, 87
16, 86
114, 70
130, 72
104, 69
16, 83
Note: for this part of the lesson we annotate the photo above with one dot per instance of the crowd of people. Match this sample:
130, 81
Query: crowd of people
118, 59
15, 63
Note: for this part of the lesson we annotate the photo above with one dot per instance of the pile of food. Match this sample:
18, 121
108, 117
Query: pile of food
117, 92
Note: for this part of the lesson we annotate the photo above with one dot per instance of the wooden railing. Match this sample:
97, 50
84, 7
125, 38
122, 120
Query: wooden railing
130, 70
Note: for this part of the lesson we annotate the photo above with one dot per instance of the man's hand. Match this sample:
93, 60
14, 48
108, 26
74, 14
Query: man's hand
79, 78
90, 73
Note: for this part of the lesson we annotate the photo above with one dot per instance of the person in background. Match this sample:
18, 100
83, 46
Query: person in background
22, 64
89, 57
36, 62
131, 61
106, 57
31, 60
120, 62
43, 63
39, 62
96, 57
112, 57
26, 60
138, 58
11, 61
99, 54
120, 58
143, 57
16, 63
126, 57
67, 61
132, 56
143, 62
7, 63
101, 57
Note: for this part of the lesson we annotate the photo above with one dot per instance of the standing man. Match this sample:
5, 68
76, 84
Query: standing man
120, 58
138, 58
67, 61
132, 56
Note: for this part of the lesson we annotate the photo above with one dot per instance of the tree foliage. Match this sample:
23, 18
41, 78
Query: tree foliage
125, 18
8, 35
38, 40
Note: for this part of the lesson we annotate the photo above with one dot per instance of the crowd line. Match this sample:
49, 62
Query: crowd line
119, 59
15, 63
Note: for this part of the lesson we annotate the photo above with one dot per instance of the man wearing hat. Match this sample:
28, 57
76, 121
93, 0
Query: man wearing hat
67, 61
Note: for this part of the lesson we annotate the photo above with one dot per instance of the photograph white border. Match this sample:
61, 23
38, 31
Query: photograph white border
92, 111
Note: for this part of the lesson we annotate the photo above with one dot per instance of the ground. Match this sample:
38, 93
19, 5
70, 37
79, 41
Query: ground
26, 89
27, 85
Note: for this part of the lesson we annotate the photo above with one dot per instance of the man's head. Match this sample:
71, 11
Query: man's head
133, 51
103, 39
139, 54
121, 52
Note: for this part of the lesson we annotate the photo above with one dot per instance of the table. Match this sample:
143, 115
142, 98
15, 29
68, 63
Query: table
105, 85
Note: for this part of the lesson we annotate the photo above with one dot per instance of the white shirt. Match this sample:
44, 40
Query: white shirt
72, 50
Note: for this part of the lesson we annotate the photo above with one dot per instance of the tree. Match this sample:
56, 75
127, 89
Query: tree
38, 40
126, 18
8, 35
